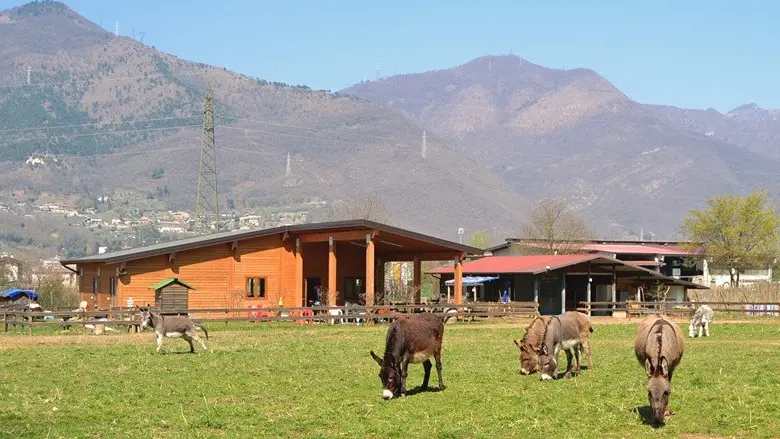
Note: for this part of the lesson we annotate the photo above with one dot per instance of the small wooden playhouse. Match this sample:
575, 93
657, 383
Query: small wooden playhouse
171, 296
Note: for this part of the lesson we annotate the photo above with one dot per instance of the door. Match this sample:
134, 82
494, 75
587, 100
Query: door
354, 290
313, 284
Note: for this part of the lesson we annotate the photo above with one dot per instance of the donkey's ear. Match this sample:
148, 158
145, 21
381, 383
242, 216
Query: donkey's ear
663, 367
649, 367
376, 358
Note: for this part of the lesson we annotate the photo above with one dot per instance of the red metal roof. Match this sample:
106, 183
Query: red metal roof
638, 249
524, 264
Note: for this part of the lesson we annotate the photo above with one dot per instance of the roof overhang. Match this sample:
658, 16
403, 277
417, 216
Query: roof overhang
408, 244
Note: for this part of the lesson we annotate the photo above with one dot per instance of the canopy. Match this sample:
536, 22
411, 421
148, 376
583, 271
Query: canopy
17, 293
169, 281
472, 280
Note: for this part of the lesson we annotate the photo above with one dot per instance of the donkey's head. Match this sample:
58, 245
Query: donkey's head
529, 357
658, 387
146, 317
548, 363
390, 375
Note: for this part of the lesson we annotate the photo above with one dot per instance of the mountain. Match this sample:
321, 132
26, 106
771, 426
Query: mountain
117, 115
624, 165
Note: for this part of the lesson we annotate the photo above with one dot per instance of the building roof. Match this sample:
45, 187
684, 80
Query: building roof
227, 237
170, 281
531, 264
537, 264
618, 247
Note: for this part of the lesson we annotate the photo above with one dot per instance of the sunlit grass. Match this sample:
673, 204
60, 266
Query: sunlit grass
319, 381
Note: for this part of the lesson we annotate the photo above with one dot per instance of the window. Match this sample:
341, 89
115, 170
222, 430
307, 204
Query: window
112, 286
255, 287
94, 284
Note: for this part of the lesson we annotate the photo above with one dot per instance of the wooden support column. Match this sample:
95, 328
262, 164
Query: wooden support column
614, 286
536, 291
458, 281
589, 296
563, 291
332, 279
417, 280
370, 267
299, 288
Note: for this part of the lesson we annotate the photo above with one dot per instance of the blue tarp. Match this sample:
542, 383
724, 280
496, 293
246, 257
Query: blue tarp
17, 293
472, 280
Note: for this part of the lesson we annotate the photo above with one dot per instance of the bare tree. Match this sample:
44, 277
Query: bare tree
368, 207
557, 228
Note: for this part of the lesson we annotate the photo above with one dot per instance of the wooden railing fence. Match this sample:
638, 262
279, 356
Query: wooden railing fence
130, 317
633, 308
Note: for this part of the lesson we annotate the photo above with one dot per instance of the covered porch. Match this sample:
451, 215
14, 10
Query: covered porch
344, 265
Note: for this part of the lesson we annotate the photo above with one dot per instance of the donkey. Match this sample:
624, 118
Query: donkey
410, 340
530, 345
172, 327
570, 331
659, 347
701, 320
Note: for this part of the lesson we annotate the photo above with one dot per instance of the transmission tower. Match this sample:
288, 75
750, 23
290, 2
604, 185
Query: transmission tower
206, 209
424, 146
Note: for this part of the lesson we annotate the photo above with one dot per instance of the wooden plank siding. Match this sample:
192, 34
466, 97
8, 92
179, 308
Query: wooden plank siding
218, 272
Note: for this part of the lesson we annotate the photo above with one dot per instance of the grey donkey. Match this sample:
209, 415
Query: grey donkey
172, 327
700, 321
659, 348
569, 331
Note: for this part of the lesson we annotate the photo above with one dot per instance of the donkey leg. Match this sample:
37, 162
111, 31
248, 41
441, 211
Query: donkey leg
188, 338
706, 329
437, 357
567, 374
159, 342
199, 340
427, 367
404, 371
586, 350
577, 358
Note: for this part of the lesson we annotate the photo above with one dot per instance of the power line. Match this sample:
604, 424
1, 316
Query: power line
301, 127
56, 127
105, 133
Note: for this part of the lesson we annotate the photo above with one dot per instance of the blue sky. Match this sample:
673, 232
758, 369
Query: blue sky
694, 53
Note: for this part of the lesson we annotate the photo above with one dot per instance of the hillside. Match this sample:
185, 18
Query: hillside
547, 132
115, 112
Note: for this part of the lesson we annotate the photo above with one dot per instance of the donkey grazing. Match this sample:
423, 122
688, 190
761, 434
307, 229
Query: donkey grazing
410, 340
570, 331
701, 320
659, 347
530, 345
172, 327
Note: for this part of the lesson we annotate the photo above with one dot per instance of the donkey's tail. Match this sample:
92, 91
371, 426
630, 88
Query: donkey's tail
205, 331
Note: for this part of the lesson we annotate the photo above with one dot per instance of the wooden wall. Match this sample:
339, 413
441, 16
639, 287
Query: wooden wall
218, 274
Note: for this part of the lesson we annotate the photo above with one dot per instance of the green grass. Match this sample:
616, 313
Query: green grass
287, 381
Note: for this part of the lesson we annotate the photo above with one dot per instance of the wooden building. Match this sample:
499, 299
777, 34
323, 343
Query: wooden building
559, 282
288, 265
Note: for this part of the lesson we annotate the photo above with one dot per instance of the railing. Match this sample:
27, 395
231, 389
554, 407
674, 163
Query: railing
130, 317
632, 308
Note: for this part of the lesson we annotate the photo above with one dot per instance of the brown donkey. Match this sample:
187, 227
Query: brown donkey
659, 347
410, 340
530, 345
569, 331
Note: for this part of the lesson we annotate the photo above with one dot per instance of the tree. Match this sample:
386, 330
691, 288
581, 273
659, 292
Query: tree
558, 228
368, 207
479, 239
736, 232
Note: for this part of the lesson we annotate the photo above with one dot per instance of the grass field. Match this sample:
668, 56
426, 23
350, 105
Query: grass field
319, 381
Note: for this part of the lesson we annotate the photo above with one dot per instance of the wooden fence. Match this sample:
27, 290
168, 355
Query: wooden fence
638, 309
130, 317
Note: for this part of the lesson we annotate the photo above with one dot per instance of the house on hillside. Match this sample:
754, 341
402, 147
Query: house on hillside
293, 265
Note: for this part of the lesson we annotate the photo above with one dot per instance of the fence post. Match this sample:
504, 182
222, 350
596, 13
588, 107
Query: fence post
5, 321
